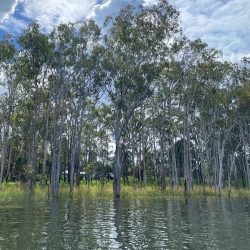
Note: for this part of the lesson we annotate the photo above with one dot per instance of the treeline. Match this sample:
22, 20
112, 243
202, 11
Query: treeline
170, 106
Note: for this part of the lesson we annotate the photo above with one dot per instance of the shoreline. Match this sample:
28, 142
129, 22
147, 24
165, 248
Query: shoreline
17, 190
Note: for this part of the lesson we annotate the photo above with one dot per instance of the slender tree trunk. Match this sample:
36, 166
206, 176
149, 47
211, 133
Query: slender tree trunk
117, 170
139, 165
9, 163
59, 151
144, 158
78, 153
76, 141
231, 165
78, 173
202, 148
45, 145
55, 151
162, 166
69, 156
34, 148
72, 163
236, 181
215, 162
186, 155
3, 153
134, 161
220, 149
174, 173
245, 154
155, 164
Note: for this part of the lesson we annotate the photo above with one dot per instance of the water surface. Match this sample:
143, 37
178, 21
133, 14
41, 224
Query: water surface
104, 223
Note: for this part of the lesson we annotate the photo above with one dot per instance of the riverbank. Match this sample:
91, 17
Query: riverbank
15, 190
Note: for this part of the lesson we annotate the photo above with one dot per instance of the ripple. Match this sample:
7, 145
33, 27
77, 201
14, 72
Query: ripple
205, 223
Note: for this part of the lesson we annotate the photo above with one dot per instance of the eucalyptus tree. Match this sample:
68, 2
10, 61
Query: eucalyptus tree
8, 76
223, 117
215, 115
242, 99
82, 55
73, 79
104, 118
34, 56
46, 127
136, 139
95, 139
58, 80
189, 82
133, 46
58, 87
191, 57
206, 102
134, 128
163, 108
138, 143
88, 75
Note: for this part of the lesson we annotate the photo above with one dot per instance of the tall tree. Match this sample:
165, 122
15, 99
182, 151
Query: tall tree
33, 60
133, 46
7, 72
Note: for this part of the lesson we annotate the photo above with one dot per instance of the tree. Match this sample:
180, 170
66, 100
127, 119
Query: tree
133, 46
33, 62
7, 55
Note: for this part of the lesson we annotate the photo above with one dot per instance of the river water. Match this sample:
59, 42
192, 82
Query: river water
104, 223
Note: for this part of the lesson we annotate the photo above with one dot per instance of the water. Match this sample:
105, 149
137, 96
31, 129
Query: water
100, 223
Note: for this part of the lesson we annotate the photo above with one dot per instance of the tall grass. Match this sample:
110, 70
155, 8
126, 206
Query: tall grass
96, 189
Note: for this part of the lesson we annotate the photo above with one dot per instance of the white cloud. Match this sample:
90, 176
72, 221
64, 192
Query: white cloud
7, 8
149, 2
53, 12
109, 8
223, 24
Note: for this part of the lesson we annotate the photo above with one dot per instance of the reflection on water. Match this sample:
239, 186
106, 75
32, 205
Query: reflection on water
99, 223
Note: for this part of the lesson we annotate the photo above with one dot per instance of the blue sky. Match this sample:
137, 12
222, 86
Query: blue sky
223, 24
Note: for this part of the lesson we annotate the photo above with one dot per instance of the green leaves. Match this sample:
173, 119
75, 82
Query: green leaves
7, 49
36, 49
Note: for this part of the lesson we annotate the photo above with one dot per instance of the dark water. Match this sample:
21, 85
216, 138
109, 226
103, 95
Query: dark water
99, 223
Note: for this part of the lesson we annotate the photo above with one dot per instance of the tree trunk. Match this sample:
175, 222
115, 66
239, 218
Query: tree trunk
4, 150
186, 155
117, 169
134, 161
174, 173
231, 163
72, 163
144, 159
155, 163
162, 166
245, 154
45, 145
220, 149
34, 148
9, 163
55, 146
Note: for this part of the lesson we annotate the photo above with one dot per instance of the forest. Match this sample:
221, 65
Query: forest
133, 100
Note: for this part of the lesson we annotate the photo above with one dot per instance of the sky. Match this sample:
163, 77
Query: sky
222, 24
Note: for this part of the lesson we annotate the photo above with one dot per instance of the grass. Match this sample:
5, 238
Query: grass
17, 190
